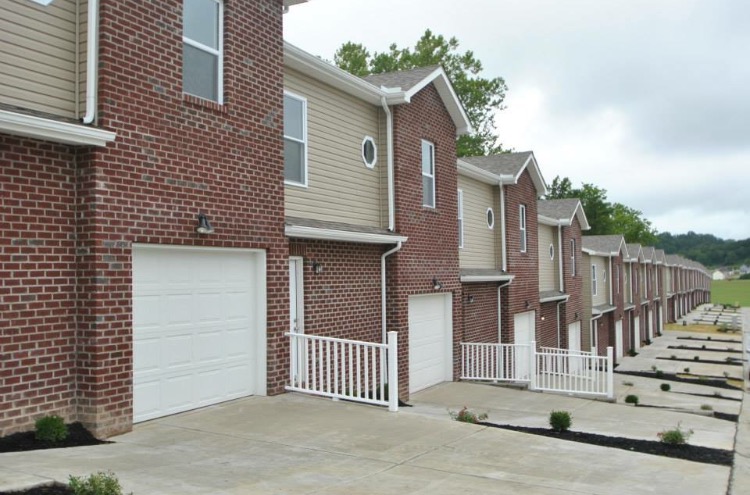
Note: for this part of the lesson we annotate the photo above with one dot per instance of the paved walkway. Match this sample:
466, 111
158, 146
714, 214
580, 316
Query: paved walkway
740, 482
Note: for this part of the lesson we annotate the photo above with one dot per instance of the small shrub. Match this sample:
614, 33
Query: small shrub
665, 387
51, 429
560, 421
632, 353
627, 384
675, 437
654, 368
631, 399
703, 346
100, 483
659, 373
672, 357
726, 374
467, 416
696, 358
647, 341
706, 407
718, 394
686, 370
702, 379
708, 338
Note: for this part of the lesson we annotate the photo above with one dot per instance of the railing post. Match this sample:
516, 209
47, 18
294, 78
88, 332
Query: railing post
393, 371
532, 365
610, 375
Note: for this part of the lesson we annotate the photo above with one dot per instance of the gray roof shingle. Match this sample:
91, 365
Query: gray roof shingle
558, 209
404, 79
602, 243
500, 164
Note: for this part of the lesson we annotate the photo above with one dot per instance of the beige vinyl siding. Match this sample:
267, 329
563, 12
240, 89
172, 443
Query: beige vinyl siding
339, 188
479, 239
547, 267
38, 48
602, 294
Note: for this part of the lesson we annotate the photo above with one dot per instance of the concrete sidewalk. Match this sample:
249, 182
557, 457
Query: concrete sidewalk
740, 480
304, 445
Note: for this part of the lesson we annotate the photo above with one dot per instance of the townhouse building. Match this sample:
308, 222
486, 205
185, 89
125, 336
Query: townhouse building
633, 297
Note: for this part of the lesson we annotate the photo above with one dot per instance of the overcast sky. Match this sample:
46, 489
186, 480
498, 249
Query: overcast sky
648, 99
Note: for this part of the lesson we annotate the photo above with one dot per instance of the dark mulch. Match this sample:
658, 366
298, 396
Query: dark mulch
78, 436
694, 453
703, 339
718, 382
710, 349
727, 416
53, 489
731, 362
722, 397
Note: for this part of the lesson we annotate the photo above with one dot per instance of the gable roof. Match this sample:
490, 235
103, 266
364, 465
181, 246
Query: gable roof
403, 79
605, 245
506, 167
562, 212
634, 252
392, 93
649, 254
660, 257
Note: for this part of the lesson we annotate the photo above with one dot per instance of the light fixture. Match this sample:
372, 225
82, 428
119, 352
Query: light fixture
576, 315
436, 284
204, 226
470, 299
317, 267
543, 318
528, 304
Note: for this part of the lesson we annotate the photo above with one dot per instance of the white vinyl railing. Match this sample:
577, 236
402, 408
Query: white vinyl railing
345, 369
495, 362
547, 369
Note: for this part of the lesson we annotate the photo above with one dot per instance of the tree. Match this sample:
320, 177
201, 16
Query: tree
632, 225
481, 97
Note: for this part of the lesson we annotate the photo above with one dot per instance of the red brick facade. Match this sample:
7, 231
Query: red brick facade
480, 312
431, 251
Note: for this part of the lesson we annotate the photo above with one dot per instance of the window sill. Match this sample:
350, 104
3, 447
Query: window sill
197, 101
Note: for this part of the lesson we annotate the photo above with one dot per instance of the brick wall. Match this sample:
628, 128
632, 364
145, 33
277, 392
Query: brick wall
38, 281
344, 300
480, 315
524, 265
547, 329
432, 248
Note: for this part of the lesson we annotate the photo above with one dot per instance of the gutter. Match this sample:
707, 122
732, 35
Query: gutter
92, 51
383, 289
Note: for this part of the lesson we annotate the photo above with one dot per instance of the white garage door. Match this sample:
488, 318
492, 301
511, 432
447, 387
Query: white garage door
430, 340
198, 327
524, 332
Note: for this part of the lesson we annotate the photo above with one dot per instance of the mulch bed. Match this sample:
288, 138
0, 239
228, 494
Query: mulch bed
710, 349
710, 396
78, 436
693, 453
671, 377
53, 489
704, 339
733, 362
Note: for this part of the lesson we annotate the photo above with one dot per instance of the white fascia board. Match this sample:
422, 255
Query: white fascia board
536, 175
474, 172
52, 130
468, 279
594, 252
581, 217
298, 59
552, 222
341, 235
450, 98
595, 311
288, 3
561, 297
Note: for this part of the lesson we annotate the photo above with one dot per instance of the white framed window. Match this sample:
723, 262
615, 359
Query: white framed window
202, 52
522, 226
551, 251
460, 201
295, 139
573, 258
428, 174
369, 152
594, 290
617, 278
490, 218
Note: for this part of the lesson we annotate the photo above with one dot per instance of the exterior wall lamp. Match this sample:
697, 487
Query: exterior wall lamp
204, 226
470, 299
436, 284
317, 267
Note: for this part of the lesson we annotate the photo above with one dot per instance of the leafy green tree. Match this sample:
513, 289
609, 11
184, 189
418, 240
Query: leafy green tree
633, 225
481, 97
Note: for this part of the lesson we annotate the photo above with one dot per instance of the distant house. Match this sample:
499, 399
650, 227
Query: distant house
718, 275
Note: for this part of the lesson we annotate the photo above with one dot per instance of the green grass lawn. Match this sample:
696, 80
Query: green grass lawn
731, 292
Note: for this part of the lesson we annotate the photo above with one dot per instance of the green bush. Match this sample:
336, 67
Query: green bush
659, 373
687, 370
467, 416
696, 358
706, 407
560, 421
51, 429
632, 353
100, 483
675, 437
631, 399
665, 387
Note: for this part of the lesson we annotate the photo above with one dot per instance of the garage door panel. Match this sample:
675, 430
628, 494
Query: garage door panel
195, 328
430, 341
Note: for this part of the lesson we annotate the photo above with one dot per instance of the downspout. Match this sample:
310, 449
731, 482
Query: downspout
92, 51
560, 257
611, 293
382, 289
594, 334
502, 227
389, 160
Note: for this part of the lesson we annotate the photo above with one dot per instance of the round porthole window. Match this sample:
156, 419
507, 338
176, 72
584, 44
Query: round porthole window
490, 218
369, 152
551, 251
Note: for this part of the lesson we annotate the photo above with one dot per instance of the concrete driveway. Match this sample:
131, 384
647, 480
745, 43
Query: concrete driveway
298, 444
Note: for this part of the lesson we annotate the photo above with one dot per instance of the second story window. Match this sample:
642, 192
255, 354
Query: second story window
460, 201
594, 288
572, 257
522, 226
428, 174
202, 33
295, 140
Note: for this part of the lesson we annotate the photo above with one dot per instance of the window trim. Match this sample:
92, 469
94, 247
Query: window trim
594, 285
490, 212
304, 140
219, 53
431, 146
573, 266
522, 227
460, 215
375, 152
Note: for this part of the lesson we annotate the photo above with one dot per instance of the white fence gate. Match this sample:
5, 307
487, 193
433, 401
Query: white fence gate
345, 369
548, 369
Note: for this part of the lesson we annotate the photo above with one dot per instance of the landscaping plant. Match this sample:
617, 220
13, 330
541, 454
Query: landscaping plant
100, 483
665, 387
51, 429
631, 399
467, 416
675, 437
560, 421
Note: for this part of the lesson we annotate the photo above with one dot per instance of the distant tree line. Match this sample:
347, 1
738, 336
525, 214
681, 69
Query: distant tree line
706, 248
